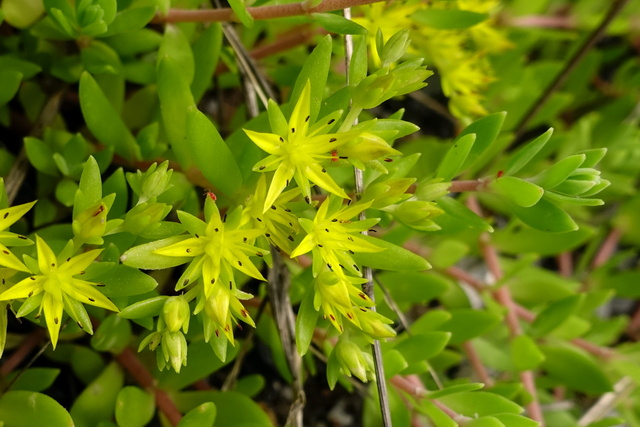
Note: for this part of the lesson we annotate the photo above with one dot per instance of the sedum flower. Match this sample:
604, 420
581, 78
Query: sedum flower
54, 288
333, 237
8, 217
279, 222
217, 246
342, 298
300, 152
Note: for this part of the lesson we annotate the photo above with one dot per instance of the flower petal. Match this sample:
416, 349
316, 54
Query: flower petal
307, 244
269, 142
192, 246
87, 293
23, 289
10, 215
299, 121
210, 273
53, 316
7, 259
279, 182
79, 263
46, 258
318, 175
267, 164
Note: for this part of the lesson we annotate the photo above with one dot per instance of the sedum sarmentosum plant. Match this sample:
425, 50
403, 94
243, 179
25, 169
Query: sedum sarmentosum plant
223, 248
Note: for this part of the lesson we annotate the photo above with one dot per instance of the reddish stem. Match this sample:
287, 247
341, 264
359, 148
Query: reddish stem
608, 248
462, 186
32, 341
141, 374
258, 13
476, 364
565, 264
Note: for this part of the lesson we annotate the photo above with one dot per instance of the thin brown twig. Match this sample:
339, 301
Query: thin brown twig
258, 13
561, 77
608, 248
30, 342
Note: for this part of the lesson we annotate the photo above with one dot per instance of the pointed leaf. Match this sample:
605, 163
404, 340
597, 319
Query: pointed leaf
527, 153
392, 258
455, 157
545, 216
521, 192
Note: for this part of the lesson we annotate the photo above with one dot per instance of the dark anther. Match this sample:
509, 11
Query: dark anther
267, 234
306, 199
307, 119
56, 320
260, 254
244, 239
331, 121
281, 139
6, 215
262, 168
320, 246
290, 238
293, 130
371, 230
343, 157
224, 218
259, 220
326, 229
388, 160
230, 285
188, 250
324, 170
240, 263
22, 237
30, 294
53, 264
351, 252
216, 230
91, 299
213, 281
197, 237
356, 267
273, 207
333, 140
185, 282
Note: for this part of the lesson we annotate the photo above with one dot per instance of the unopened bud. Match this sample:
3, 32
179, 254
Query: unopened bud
176, 314
90, 225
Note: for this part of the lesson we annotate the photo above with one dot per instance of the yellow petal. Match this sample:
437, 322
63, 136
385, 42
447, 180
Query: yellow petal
279, 182
318, 175
87, 293
269, 142
10, 215
192, 246
23, 289
53, 316
46, 258
299, 121
78, 264
7, 259
307, 244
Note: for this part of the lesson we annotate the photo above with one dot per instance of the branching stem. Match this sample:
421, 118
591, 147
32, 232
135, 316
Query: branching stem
258, 13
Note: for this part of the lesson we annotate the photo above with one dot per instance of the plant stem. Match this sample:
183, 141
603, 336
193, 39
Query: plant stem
608, 248
258, 13
607, 401
476, 364
141, 374
462, 186
350, 120
503, 296
561, 77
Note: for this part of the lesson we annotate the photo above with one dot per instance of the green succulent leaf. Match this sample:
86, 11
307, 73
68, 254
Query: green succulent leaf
456, 156
448, 19
392, 258
21, 408
527, 153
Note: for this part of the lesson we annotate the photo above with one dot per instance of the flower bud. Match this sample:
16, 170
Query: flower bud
176, 314
354, 361
174, 349
150, 184
145, 217
90, 224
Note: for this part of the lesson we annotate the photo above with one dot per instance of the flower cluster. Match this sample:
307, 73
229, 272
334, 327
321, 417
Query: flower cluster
218, 246
54, 286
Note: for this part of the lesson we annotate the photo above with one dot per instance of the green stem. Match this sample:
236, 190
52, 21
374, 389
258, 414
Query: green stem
350, 120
